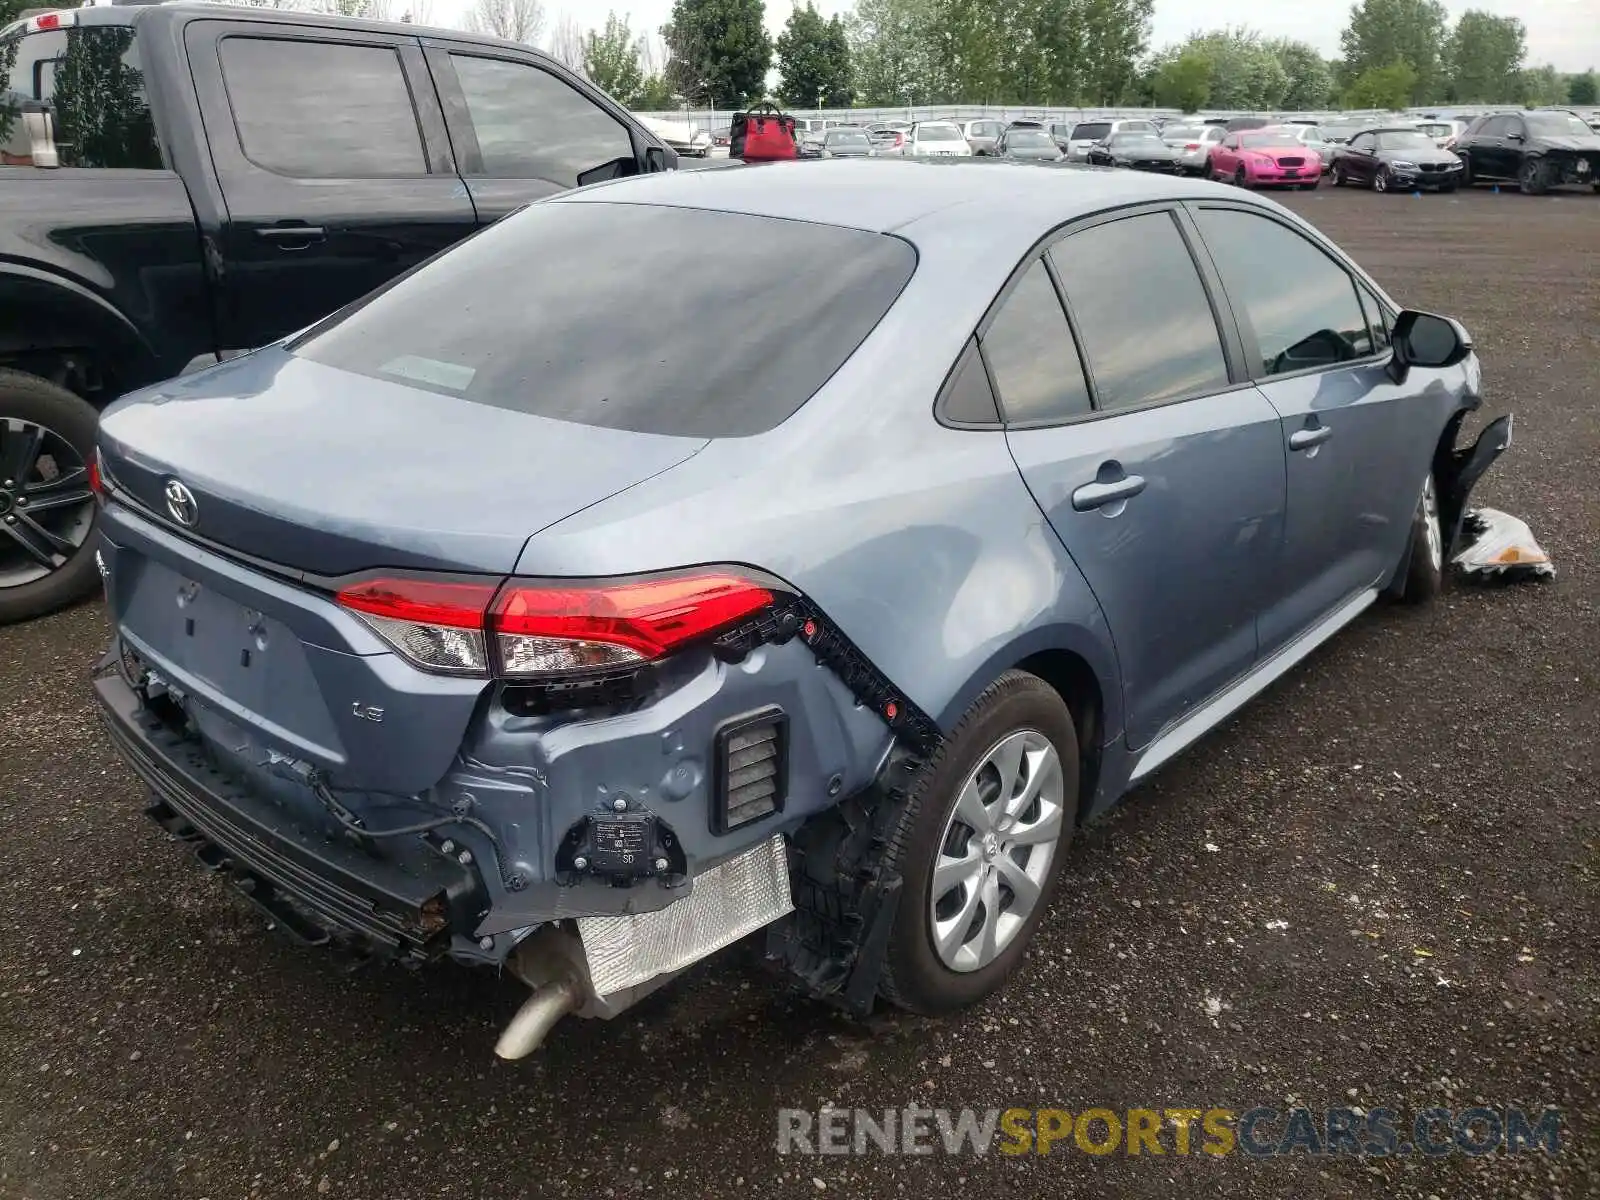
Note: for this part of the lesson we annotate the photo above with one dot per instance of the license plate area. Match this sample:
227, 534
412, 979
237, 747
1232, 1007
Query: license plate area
220, 651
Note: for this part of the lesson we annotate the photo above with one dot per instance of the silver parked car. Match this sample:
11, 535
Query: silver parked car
847, 143
1193, 144
982, 135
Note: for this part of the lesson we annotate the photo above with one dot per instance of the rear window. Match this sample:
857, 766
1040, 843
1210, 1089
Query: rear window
627, 317
91, 80
1091, 131
938, 133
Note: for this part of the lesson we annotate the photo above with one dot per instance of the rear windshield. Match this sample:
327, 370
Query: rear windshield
1024, 139
938, 133
1182, 133
91, 81
1091, 130
659, 320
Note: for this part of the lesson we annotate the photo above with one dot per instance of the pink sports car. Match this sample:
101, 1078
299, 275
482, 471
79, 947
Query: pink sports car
1256, 158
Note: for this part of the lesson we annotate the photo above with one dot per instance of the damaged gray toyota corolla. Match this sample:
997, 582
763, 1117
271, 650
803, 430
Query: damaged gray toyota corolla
580, 603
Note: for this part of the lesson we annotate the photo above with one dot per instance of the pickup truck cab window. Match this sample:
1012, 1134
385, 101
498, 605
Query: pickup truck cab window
91, 82
348, 114
506, 100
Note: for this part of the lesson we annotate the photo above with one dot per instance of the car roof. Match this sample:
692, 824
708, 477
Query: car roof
180, 11
994, 200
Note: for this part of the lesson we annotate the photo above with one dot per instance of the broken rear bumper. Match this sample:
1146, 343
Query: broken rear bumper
318, 890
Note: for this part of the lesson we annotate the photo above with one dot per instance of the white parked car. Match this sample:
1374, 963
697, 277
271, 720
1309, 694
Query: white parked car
1087, 133
936, 139
1193, 144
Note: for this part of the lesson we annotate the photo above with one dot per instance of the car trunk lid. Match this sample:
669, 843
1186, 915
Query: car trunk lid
327, 472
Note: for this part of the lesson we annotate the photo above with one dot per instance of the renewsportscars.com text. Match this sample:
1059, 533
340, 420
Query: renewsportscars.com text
1255, 1132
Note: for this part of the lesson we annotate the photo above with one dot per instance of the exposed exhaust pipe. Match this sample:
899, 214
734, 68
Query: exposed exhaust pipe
538, 1015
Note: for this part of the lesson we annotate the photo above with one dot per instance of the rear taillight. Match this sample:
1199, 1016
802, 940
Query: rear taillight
437, 624
536, 628
1192, 146
96, 481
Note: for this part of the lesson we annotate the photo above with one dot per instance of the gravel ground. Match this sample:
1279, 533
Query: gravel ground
1417, 805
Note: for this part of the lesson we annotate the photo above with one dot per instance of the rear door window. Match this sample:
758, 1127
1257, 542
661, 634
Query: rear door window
322, 110
92, 80
614, 315
1031, 355
1147, 326
531, 125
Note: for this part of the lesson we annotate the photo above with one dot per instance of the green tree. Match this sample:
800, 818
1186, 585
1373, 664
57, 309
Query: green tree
611, 60
1388, 87
1183, 82
1543, 85
1583, 89
719, 50
814, 58
655, 95
1382, 33
1485, 55
1115, 34
1245, 71
891, 52
1310, 78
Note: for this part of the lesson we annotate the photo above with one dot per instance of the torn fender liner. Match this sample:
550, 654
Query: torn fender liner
845, 895
1499, 546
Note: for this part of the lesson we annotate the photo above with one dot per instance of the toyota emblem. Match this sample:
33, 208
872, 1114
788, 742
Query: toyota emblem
181, 504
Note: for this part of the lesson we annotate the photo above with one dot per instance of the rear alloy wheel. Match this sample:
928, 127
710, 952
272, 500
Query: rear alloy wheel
1532, 178
1338, 175
1381, 181
47, 511
1424, 575
981, 849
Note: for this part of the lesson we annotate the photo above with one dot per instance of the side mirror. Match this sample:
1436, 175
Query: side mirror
659, 158
1425, 340
1514, 137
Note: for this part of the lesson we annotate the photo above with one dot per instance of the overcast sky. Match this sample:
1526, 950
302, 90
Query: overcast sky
1563, 32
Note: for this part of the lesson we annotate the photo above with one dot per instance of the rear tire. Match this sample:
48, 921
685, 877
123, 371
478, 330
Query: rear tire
1424, 573
1338, 175
47, 438
996, 807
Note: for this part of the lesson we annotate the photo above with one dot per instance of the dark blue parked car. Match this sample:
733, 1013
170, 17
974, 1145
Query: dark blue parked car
582, 602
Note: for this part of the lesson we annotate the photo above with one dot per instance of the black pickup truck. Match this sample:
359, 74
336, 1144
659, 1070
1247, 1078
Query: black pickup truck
181, 183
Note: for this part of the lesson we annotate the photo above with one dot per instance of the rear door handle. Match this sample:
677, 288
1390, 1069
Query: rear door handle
1304, 439
292, 237
1097, 495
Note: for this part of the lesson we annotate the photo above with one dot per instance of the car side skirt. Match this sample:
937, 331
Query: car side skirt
1227, 702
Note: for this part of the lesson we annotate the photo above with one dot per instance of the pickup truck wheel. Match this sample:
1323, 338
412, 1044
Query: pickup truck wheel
993, 815
47, 511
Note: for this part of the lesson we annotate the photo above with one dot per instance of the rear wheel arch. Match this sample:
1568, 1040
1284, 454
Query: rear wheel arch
62, 332
1073, 679
1080, 666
